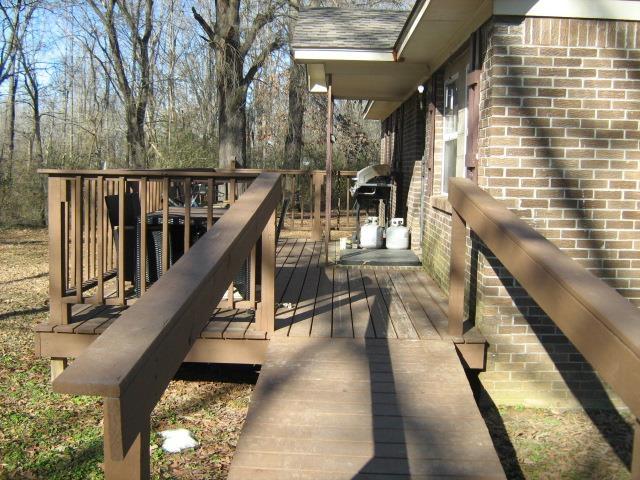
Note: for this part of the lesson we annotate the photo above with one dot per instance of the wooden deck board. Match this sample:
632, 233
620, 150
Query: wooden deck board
322, 312
303, 314
357, 431
290, 295
383, 326
420, 319
397, 312
362, 322
341, 323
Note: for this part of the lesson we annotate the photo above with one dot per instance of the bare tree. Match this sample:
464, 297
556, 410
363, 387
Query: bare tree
134, 84
233, 48
297, 93
15, 20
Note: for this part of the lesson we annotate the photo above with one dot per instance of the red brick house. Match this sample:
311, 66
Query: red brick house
538, 101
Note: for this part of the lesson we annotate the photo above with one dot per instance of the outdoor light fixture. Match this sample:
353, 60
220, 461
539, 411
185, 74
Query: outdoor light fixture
421, 96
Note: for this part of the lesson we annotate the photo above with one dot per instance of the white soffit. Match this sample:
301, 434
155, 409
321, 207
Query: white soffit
331, 55
379, 110
443, 26
365, 80
593, 9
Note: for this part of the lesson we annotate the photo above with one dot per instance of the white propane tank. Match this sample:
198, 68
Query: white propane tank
397, 235
371, 234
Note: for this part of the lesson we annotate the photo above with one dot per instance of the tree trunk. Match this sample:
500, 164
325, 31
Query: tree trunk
293, 141
11, 119
232, 124
232, 94
297, 90
231, 81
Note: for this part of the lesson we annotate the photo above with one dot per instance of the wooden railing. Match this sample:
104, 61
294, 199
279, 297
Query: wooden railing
601, 324
87, 251
132, 362
96, 256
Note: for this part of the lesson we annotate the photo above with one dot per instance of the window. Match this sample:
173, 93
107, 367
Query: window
454, 115
451, 108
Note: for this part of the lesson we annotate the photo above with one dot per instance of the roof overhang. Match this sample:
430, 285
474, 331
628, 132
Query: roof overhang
433, 31
365, 80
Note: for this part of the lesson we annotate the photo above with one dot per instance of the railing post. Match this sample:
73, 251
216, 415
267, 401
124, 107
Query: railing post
456, 274
316, 225
136, 462
59, 311
635, 459
266, 321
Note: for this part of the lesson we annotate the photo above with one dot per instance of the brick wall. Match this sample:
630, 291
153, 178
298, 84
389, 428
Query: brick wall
559, 146
407, 123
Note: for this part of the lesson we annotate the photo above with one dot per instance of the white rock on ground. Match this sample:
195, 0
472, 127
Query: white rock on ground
177, 440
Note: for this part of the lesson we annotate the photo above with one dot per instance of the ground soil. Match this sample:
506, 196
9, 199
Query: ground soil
46, 435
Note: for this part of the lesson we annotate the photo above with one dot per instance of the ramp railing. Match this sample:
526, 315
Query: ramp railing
601, 324
131, 364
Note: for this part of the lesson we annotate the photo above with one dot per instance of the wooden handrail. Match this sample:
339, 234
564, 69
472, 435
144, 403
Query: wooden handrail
238, 173
601, 324
133, 361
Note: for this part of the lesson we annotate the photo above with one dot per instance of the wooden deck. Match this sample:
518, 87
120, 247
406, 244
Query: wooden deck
330, 301
315, 300
363, 408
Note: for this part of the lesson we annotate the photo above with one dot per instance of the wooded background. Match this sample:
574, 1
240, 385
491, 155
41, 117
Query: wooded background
160, 83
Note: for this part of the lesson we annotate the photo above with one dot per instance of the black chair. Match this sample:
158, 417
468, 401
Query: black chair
132, 240
131, 218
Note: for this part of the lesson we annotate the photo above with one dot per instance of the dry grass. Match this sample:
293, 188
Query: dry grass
546, 444
45, 435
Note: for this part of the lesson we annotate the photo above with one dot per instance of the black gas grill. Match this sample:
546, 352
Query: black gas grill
371, 185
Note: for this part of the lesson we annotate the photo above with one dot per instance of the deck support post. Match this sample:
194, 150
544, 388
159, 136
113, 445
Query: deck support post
59, 311
635, 459
57, 367
316, 221
456, 274
136, 462
329, 170
266, 320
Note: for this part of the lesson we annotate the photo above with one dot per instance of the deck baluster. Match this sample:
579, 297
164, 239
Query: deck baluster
100, 227
143, 235
316, 228
77, 242
187, 214
635, 461
210, 188
348, 204
122, 226
165, 225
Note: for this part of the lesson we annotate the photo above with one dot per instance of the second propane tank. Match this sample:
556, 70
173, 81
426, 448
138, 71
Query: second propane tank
371, 234
397, 235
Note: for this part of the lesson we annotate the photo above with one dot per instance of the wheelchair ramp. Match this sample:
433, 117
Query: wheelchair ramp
345, 408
